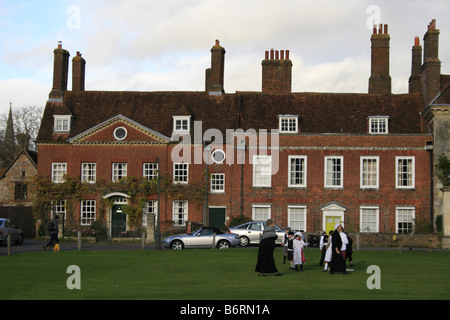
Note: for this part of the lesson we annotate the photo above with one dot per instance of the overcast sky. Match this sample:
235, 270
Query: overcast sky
142, 45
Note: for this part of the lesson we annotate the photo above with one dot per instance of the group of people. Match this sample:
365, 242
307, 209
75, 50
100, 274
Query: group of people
335, 250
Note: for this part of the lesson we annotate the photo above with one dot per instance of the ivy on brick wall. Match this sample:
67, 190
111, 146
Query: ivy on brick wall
443, 170
138, 189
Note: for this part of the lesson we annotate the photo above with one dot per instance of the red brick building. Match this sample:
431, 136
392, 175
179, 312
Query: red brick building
307, 160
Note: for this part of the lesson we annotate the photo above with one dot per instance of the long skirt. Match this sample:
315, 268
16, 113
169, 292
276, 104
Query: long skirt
337, 263
266, 262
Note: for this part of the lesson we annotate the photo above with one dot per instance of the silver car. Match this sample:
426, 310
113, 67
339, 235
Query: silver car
202, 238
250, 232
6, 228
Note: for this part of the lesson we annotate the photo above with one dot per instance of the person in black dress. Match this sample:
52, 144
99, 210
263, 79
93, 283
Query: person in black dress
337, 263
266, 262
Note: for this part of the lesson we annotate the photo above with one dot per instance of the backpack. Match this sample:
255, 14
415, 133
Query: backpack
51, 226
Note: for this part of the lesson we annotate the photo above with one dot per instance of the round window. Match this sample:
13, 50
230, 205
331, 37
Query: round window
218, 156
120, 133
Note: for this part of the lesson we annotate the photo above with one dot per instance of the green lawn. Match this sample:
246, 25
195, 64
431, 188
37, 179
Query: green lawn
219, 275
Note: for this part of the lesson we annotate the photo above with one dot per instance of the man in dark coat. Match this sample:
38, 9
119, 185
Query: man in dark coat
337, 263
53, 230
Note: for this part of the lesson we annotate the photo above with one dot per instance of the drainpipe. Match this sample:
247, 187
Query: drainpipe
429, 147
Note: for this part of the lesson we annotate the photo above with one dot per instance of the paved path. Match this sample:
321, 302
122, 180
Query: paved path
36, 245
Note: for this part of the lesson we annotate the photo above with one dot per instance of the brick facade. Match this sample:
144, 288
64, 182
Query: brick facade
360, 159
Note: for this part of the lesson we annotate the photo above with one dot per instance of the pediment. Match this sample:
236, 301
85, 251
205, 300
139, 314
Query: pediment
119, 130
333, 206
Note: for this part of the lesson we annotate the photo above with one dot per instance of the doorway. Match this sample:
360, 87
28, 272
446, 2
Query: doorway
118, 221
217, 216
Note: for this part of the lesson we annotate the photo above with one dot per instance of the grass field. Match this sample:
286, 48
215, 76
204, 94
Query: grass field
219, 275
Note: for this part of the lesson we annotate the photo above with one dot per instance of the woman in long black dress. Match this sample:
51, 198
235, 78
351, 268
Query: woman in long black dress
266, 262
337, 263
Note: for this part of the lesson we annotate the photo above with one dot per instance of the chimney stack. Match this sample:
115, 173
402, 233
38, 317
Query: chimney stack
414, 81
215, 75
60, 72
380, 81
431, 68
78, 73
277, 72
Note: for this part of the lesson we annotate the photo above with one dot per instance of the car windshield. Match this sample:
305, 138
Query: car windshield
207, 231
2, 222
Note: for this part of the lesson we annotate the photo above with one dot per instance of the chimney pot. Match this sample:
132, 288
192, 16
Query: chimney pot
59, 45
417, 41
287, 54
267, 55
277, 55
386, 29
271, 54
282, 54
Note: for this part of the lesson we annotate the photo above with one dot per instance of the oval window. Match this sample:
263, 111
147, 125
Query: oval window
120, 133
218, 156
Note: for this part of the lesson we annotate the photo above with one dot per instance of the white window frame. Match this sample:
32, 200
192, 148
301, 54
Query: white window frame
398, 173
295, 223
262, 171
363, 222
88, 212
59, 208
150, 171
363, 175
62, 124
398, 211
59, 170
178, 121
379, 125
115, 177
176, 206
326, 173
265, 207
302, 172
89, 172
218, 183
287, 127
151, 207
180, 178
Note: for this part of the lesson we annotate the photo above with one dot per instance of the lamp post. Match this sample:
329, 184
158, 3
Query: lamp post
158, 215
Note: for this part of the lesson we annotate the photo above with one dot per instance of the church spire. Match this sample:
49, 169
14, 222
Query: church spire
9, 132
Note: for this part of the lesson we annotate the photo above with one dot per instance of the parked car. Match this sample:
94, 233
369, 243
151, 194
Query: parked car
202, 238
6, 228
250, 232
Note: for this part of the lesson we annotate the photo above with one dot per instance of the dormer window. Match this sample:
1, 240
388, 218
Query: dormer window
181, 124
288, 123
379, 125
62, 124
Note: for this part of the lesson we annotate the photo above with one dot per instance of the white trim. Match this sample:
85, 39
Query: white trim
332, 210
187, 173
63, 118
377, 226
211, 183
259, 161
116, 194
115, 133
287, 117
413, 182
405, 208
305, 216
181, 118
254, 206
341, 185
361, 162
379, 118
305, 172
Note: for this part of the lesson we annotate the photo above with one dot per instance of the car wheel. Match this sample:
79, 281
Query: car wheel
20, 241
244, 241
176, 245
223, 244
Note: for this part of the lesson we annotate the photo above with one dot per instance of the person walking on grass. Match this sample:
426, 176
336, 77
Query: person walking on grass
53, 230
266, 262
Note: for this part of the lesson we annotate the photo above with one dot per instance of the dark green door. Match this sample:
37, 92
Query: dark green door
217, 217
118, 221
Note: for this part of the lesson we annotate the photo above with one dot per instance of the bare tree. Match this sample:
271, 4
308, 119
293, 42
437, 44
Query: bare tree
27, 121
